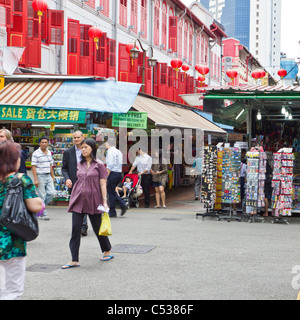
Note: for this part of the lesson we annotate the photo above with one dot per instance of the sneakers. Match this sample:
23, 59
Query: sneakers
123, 211
44, 217
196, 198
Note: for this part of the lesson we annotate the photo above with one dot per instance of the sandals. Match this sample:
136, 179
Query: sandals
157, 207
107, 258
70, 266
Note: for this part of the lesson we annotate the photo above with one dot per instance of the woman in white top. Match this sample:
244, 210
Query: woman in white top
143, 163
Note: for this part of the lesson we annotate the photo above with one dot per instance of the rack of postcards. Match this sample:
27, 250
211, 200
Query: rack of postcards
256, 176
209, 176
282, 183
62, 143
218, 204
231, 168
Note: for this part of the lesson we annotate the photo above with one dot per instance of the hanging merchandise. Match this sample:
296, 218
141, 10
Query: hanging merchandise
231, 176
256, 176
218, 204
62, 143
282, 183
209, 176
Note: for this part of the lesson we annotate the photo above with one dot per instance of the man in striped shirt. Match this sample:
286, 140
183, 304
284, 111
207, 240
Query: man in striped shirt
43, 175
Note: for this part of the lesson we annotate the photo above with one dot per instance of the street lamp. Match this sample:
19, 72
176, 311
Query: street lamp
134, 52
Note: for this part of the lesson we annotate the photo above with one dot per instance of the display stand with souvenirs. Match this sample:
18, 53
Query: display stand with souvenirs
282, 183
231, 167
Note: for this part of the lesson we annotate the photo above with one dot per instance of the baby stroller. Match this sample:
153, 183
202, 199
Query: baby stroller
134, 192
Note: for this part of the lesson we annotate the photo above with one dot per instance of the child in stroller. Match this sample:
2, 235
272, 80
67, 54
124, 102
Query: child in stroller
131, 194
127, 185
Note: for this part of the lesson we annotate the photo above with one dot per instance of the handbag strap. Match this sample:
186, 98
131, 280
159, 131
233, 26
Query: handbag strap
16, 180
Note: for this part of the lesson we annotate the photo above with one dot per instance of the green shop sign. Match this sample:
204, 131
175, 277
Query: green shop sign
31, 114
133, 120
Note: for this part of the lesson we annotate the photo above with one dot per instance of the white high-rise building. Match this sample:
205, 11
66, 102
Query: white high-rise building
256, 23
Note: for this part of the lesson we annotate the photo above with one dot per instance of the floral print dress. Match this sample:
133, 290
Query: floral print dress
10, 245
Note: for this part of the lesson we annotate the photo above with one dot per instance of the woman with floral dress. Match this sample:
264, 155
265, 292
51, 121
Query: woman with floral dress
12, 248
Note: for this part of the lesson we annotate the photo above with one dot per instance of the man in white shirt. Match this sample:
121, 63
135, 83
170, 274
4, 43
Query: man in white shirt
143, 163
114, 162
43, 175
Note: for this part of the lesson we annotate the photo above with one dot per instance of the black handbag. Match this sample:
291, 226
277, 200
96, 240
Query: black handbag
15, 216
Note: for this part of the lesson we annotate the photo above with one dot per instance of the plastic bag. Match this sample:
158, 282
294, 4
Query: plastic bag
105, 228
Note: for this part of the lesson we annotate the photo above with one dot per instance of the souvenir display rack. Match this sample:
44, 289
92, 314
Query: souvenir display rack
209, 179
218, 204
256, 176
231, 168
62, 142
282, 183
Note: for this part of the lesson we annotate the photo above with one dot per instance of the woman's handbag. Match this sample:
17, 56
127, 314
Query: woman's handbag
105, 228
15, 216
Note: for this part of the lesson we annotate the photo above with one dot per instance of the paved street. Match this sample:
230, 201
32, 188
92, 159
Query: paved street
166, 254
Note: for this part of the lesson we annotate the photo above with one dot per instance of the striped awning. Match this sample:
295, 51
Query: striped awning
75, 94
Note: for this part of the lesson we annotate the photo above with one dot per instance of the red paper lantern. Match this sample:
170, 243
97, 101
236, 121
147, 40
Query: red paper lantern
176, 64
201, 78
282, 73
95, 33
263, 73
202, 69
40, 6
232, 74
185, 68
257, 74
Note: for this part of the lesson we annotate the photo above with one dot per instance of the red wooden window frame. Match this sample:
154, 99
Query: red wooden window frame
33, 41
179, 39
173, 21
100, 57
134, 15
105, 5
191, 43
144, 18
73, 46
55, 27
111, 61
123, 63
198, 48
185, 40
85, 52
91, 3
156, 22
164, 22
7, 5
202, 50
123, 13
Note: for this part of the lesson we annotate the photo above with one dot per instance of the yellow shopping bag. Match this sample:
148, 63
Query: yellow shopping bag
105, 228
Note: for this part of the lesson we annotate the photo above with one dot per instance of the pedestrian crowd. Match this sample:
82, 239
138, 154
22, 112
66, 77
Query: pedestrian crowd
93, 187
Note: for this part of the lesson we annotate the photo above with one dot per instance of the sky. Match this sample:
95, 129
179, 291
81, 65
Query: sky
290, 36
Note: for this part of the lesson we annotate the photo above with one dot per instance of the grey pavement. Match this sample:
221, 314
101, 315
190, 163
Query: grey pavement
167, 254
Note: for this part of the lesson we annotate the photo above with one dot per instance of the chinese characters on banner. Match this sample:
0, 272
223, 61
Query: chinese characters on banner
23, 113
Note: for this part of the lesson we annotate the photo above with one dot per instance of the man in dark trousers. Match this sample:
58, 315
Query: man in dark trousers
71, 157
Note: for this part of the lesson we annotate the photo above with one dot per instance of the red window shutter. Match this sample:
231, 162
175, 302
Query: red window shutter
111, 61
134, 12
162, 88
148, 78
91, 3
105, 5
86, 49
156, 22
100, 57
33, 43
144, 18
173, 33
56, 27
170, 83
73, 47
124, 61
164, 23
6, 13
123, 13
191, 44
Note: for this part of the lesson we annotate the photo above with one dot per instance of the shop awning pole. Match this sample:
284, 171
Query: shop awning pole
245, 97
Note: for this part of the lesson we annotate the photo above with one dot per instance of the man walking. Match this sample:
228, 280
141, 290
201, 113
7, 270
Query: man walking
43, 175
114, 161
71, 157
